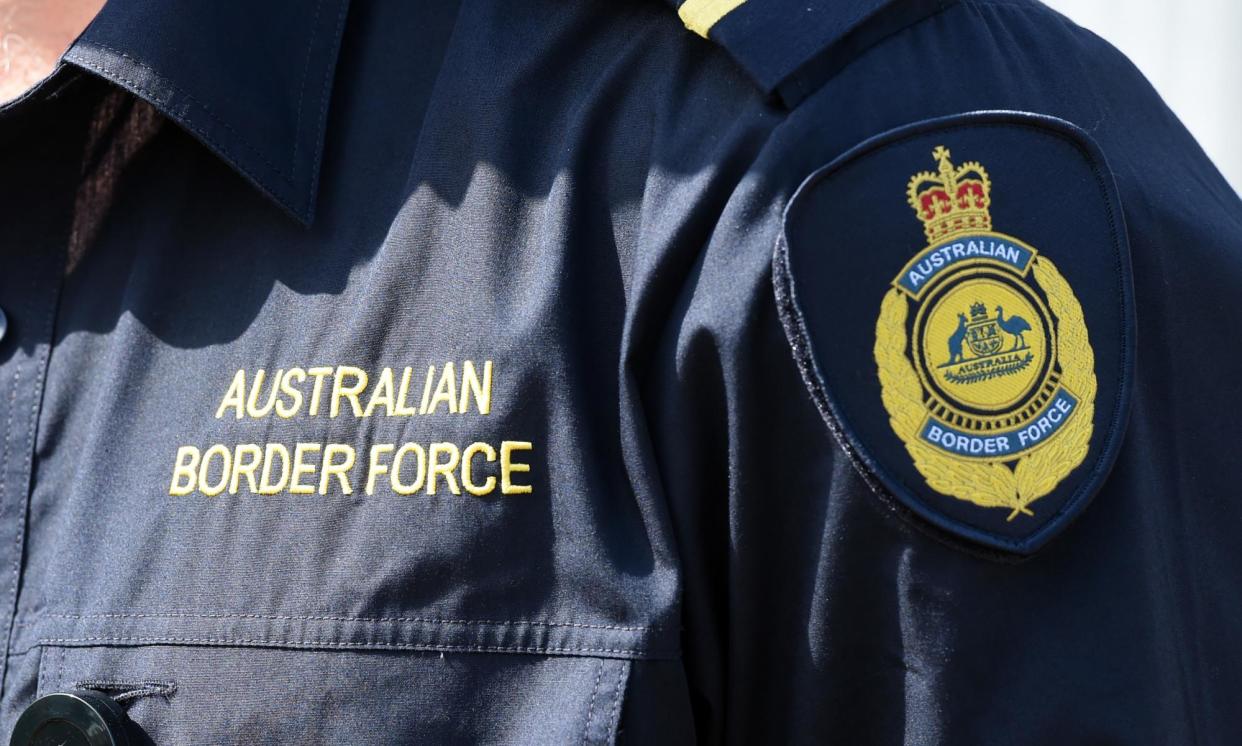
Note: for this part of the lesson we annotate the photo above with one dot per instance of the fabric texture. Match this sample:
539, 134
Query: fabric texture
413, 372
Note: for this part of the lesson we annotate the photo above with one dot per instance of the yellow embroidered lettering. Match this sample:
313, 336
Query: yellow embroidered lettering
245, 466
266, 485
235, 397
341, 391
470, 385
479, 468
446, 390
445, 468
204, 470
431, 373
288, 389
375, 468
318, 373
252, 401
381, 394
416, 485
300, 468
185, 471
340, 469
467, 469
402, 409
508, 467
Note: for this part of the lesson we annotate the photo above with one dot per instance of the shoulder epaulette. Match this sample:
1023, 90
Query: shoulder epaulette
790, 46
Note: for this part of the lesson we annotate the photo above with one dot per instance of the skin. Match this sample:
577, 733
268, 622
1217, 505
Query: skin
33, 35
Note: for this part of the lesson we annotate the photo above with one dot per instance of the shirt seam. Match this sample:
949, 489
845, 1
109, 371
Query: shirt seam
348, 619
264, 641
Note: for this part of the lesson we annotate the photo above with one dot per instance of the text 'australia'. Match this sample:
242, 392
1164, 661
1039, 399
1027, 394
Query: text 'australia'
432, 467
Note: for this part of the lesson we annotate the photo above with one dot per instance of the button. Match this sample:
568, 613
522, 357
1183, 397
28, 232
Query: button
71, 719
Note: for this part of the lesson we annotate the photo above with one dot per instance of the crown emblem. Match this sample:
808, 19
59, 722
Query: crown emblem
978, 311
953, 201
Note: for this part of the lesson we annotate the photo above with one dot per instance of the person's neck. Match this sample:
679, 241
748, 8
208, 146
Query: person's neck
33, 35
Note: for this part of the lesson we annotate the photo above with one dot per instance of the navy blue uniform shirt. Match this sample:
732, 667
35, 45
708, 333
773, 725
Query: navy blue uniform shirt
858, 371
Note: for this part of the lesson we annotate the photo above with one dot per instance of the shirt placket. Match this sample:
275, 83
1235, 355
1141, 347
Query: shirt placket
42, 163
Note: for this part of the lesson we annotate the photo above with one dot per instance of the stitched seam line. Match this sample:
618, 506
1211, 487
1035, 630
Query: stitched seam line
57, 666
8, 436
615, 716
4, 470
310, 46
323, 102
267, 617
590, 716
23, 498
337, 644
163, 102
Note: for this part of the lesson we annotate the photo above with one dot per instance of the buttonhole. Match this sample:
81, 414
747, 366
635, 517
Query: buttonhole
128, 691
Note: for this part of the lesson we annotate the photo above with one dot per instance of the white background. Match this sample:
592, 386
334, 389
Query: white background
1191, 50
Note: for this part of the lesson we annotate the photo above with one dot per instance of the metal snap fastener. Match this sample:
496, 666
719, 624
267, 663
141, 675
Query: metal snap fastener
77, 718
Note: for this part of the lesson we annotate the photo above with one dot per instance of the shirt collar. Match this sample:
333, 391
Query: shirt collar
251, 80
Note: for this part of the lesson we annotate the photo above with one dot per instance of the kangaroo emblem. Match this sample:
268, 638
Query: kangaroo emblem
956, 339
1015, 325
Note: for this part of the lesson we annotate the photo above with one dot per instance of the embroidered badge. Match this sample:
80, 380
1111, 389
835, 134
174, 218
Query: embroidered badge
979, 379
992, 389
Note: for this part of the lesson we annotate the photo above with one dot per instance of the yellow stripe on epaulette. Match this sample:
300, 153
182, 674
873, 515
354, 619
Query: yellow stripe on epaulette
700, 15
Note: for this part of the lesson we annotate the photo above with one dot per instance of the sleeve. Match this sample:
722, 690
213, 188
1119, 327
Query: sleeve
853, 574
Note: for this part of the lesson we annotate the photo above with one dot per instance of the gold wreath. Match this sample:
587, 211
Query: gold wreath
992, 484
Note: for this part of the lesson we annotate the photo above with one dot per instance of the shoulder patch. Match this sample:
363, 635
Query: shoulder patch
978, 371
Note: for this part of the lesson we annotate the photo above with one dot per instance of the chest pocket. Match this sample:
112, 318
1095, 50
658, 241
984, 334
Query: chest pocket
217, 693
